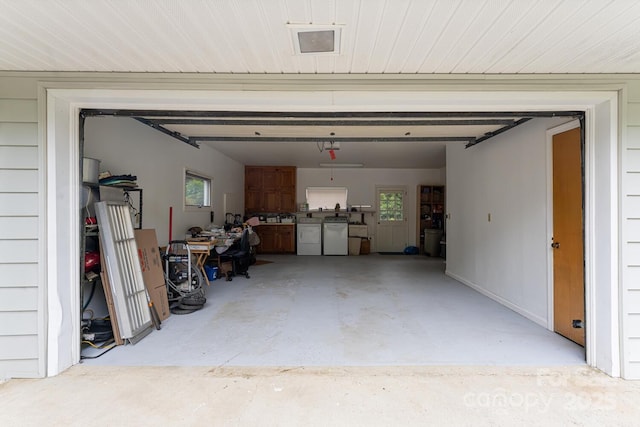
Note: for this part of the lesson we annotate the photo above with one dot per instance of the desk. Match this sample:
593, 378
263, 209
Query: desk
202, 250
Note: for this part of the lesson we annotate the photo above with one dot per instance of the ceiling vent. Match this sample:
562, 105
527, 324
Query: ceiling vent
316, 39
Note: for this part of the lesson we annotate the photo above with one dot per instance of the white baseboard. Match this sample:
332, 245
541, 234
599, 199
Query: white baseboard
542, 321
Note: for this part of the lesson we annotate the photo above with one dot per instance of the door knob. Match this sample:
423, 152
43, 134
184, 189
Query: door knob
555, 245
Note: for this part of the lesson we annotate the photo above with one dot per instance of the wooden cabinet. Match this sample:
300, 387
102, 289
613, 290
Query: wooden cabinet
286, 238
270, 189
270, 178
276, 239
253, 178
287, 177
430, 215
278, 177
267, 234
252, 201
275, 201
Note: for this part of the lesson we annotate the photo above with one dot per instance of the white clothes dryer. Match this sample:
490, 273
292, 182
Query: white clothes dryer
309, 236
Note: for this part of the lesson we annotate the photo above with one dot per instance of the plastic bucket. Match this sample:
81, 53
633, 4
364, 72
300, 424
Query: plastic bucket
90, 170
432, 241
212, 272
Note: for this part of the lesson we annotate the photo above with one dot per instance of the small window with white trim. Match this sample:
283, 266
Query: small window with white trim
326, 197
197, 190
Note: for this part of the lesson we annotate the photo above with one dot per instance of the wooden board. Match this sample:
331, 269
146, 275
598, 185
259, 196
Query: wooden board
112, 310
106, 287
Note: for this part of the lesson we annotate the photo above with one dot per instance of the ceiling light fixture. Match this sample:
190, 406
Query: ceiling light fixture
341, 165
331, 145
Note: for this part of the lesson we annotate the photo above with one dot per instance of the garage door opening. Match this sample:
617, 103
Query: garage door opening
393, 343
76, 216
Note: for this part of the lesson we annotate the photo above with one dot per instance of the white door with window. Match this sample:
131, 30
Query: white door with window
391, 228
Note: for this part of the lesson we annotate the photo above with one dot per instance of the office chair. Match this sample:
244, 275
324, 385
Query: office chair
239, 257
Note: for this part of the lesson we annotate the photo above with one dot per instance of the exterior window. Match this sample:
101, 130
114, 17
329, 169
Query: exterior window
326, 197
197, 190
391, 206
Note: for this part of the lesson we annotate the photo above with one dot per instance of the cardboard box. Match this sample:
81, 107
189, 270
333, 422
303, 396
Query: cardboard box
160, 302
354, 245
152, 272
150, 259
225, 268
358, 231
365, 247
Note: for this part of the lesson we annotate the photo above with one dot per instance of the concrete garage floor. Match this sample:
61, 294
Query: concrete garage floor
322, 342
347, 311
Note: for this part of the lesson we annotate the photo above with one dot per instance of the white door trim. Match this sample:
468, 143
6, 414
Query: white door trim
60, 238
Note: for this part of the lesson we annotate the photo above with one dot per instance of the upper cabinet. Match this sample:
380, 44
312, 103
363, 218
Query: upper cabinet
253, 177
269, 189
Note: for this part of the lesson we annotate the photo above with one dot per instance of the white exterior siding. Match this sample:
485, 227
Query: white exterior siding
22, 271
20, 349
630, 222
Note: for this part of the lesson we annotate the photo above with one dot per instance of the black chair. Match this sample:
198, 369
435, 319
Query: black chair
240, 257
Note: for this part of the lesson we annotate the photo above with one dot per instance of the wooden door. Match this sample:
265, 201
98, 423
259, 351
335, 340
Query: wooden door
568, 236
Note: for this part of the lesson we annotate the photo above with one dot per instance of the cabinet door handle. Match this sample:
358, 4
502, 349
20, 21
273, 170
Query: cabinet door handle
555, 245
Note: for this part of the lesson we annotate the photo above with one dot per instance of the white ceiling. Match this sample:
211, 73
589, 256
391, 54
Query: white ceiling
394, 153
402, 140
378, 36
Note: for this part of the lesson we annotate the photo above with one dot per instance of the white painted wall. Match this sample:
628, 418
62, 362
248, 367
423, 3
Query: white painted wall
504, 177
362, 187
126, 146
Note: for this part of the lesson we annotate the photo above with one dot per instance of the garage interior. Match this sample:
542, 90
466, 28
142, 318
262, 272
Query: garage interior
369, 310
317, 310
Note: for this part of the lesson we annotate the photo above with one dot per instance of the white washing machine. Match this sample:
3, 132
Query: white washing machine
335, 235
309, 231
